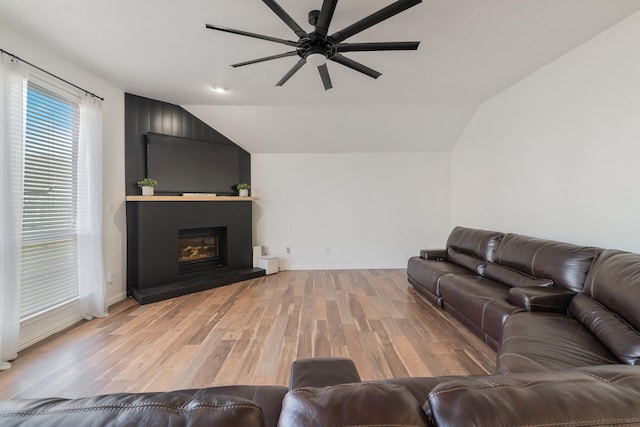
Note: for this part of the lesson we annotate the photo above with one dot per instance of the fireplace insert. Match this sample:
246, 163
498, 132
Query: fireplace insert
201, 249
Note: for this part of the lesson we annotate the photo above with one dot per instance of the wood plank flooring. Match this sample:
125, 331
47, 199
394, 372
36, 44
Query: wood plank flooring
249, 333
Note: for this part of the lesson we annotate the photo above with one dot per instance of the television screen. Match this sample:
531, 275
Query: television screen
184, 165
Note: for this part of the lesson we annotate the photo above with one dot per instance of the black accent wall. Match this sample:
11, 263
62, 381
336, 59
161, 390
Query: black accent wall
144, 115
153, 226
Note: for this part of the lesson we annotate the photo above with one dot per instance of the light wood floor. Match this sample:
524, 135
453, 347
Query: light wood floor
249, 333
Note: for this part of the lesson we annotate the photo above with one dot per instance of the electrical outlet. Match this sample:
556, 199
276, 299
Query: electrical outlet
111, 277
287, 250
328, 251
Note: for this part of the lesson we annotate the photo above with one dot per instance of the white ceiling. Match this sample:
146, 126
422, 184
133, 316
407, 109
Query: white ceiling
470, 50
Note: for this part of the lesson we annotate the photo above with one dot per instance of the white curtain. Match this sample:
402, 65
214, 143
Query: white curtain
13, 90
90, 261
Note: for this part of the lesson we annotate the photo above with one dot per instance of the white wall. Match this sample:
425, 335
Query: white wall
113, 151
557, 155
350, 210
338, 128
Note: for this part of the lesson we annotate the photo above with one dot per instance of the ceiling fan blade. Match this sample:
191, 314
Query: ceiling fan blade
286, 18
374, 18
291, 72
324, 75
368, 47
266, 58
355, 65
254, 35
326, 13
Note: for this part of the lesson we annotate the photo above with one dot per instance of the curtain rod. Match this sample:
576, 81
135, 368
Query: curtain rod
16, 57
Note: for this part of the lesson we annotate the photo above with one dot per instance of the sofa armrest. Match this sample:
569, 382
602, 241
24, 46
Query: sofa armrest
434, 254
541, 298
322, 372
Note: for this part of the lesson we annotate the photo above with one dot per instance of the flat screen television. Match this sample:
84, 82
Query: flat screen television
184, 165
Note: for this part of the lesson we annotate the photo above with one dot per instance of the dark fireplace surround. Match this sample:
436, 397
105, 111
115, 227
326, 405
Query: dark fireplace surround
154, 272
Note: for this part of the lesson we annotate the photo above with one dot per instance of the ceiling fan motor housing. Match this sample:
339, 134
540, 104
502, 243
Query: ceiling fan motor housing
316, 44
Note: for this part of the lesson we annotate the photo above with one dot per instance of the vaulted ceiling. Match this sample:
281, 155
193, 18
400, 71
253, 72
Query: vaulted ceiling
470, 50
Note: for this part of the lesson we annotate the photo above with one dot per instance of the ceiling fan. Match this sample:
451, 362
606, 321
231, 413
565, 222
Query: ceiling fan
318, 46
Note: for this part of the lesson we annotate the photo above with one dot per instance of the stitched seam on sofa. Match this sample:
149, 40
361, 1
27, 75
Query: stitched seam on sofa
46, 411
330, 388
520, 356
483, 310
533, 259
489, 382
531, 384
617, 378
593, 275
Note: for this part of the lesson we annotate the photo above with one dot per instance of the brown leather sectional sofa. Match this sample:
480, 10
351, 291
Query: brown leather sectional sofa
328, 392
564, 319
543, 305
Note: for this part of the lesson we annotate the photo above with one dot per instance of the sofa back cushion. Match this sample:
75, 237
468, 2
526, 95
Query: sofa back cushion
356, 404
614, 281
513, 278
130, 410
610, 306
565, 264
603, 395
478, 243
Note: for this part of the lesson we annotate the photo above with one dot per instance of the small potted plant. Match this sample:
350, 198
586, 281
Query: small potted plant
147, 186
243, 189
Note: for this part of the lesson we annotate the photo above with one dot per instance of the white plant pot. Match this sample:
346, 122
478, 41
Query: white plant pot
244, 193
147, 190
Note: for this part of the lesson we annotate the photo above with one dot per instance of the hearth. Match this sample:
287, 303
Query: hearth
201, 249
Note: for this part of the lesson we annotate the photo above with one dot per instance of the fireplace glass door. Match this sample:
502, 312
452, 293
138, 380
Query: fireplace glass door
201, 249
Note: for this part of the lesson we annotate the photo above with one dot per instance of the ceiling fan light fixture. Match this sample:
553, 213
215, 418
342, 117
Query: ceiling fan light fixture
316, 59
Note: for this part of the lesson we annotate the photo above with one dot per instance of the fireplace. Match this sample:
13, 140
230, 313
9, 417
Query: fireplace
159, 267
201, 249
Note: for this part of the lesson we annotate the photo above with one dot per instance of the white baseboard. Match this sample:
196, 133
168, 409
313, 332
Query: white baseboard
56, 320
116, 298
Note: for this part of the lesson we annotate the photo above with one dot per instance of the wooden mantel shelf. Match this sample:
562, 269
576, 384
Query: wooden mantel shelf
189, 199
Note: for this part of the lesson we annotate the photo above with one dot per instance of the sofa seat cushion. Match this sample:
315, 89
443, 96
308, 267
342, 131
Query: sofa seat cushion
540, 341
484, 302
594, 396
425, 274
130, 410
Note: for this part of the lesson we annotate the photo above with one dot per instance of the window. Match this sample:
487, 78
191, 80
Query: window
49, 249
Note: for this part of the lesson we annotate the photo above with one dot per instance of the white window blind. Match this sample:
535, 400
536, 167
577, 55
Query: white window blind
48, 264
